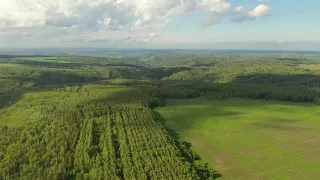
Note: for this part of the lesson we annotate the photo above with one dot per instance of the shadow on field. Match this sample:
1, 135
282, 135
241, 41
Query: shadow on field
280, 125
204, 112
186, 149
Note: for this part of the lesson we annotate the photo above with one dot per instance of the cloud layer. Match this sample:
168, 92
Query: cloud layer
63, 17
105, 13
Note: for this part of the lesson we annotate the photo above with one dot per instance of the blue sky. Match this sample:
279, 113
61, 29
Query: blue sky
235, 24
294, 21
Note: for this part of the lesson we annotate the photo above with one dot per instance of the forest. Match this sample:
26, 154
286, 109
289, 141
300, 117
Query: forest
87, 117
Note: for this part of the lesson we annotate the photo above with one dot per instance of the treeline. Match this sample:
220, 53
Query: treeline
177, 89
192, 89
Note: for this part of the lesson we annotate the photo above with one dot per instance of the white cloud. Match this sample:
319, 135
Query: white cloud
79, 19
142, 38
214, 6
149, 11
260, 11
59, 13
90, 13
239, 9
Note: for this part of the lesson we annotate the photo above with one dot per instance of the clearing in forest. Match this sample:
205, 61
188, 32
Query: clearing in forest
250, 139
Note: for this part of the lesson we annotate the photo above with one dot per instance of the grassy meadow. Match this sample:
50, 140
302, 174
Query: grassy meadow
250, 139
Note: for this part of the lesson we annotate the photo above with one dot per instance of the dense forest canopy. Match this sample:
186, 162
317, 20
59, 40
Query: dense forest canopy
82, 117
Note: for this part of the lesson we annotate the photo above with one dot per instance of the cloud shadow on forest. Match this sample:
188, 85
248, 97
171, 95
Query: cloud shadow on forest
291, 79
45, 81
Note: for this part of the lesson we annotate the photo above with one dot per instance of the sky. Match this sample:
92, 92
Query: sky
210, 24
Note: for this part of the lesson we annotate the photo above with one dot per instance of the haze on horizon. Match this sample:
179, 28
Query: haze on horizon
215, 24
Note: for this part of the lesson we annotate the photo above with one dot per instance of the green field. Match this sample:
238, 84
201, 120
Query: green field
9, 65
250, 139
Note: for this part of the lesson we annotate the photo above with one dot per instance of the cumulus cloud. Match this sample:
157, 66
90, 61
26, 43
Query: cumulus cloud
239, 9
81, 17
88, 14
260, 11
149, 11
91, 13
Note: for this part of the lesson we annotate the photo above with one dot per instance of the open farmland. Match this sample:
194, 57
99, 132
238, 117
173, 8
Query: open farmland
250, 139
